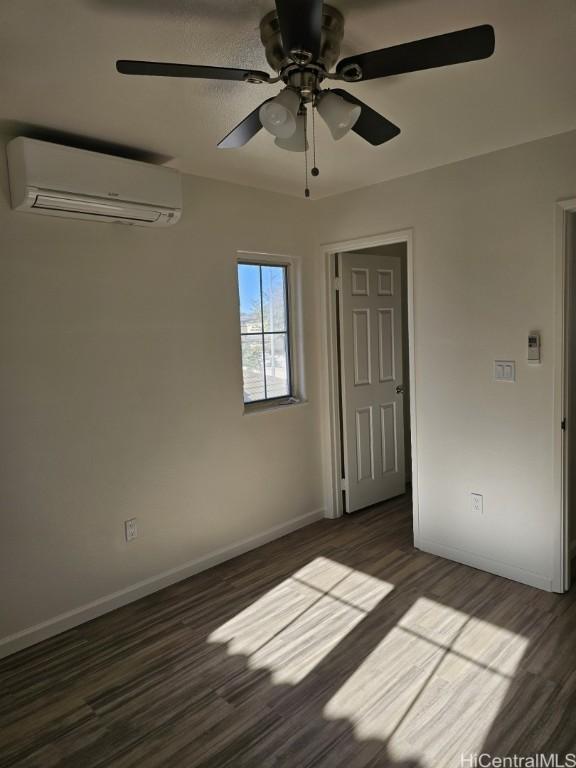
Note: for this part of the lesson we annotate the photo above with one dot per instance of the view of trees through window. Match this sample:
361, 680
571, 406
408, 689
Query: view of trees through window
264, 329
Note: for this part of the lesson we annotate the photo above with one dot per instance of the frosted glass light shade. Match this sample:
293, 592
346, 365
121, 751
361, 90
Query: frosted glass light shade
297, 142
279, 115
339, 115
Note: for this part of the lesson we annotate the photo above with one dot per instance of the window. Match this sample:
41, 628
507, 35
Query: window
264, 327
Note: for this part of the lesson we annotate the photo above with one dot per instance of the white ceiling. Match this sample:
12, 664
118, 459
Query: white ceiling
57, 73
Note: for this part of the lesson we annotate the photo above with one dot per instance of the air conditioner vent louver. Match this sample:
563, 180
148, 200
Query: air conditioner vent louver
95, 208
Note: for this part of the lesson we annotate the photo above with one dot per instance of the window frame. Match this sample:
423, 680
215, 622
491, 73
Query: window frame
292, 284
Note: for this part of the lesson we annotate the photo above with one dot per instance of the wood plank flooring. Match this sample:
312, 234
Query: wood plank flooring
338, 646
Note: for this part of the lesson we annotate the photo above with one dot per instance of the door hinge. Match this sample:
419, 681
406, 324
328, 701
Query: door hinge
563, 425
337, 284
343, 484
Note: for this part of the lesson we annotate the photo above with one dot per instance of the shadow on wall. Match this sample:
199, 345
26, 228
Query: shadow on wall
339, 647
11, 128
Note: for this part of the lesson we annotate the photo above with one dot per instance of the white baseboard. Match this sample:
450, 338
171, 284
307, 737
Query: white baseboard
486, 564
62, 622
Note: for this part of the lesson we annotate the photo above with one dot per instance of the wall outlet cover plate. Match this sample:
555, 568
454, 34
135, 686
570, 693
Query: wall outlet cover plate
477, 503
130, 529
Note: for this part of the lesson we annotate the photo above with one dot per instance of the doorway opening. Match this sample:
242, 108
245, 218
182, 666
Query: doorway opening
371, 413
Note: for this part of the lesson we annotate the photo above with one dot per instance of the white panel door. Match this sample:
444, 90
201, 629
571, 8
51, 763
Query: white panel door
371, 378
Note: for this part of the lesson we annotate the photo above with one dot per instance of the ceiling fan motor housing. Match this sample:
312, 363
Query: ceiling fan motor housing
284, 64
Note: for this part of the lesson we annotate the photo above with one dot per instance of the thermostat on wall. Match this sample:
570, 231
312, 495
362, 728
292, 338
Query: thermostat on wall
534, 347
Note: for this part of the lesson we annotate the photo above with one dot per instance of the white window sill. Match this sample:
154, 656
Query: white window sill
267, 406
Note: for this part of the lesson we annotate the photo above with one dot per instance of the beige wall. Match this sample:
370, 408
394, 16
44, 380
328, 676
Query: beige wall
120, 381
121, 396
484, 278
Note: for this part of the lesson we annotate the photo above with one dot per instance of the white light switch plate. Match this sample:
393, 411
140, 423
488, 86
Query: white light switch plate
505, 370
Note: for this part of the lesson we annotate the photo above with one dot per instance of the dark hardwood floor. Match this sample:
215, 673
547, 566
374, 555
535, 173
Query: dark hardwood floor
337, 646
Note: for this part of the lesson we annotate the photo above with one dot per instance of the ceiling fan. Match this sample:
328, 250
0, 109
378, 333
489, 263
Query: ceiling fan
302, 41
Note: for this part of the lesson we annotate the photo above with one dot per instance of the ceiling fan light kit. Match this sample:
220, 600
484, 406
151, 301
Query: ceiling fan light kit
302, 41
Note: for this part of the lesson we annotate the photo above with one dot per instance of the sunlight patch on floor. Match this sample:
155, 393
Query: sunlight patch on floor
295, 625
437, 670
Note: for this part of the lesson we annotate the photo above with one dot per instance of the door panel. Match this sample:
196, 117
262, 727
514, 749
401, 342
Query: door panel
386, 345
371, 370
389, 431
361, 341
364, 444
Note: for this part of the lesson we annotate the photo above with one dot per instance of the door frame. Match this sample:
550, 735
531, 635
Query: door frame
330, 384
561, 538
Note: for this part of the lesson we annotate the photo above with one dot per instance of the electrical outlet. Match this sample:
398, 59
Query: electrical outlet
130, 529
477, 503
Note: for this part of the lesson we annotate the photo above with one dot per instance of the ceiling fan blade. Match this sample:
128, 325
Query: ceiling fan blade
452, 48
371, 125
244, 131
164, 69
300, 28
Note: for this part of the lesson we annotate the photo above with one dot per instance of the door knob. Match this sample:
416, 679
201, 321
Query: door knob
400, 389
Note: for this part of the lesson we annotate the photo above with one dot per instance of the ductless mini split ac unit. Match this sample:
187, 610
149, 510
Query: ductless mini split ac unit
54, 180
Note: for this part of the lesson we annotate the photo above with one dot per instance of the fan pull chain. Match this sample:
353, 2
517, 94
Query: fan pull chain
315, 170
306, 188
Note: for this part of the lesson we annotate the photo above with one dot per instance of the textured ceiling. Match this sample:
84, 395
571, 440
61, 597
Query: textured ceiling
57, 78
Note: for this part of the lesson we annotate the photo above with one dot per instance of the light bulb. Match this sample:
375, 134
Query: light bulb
339, 115
279, 115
